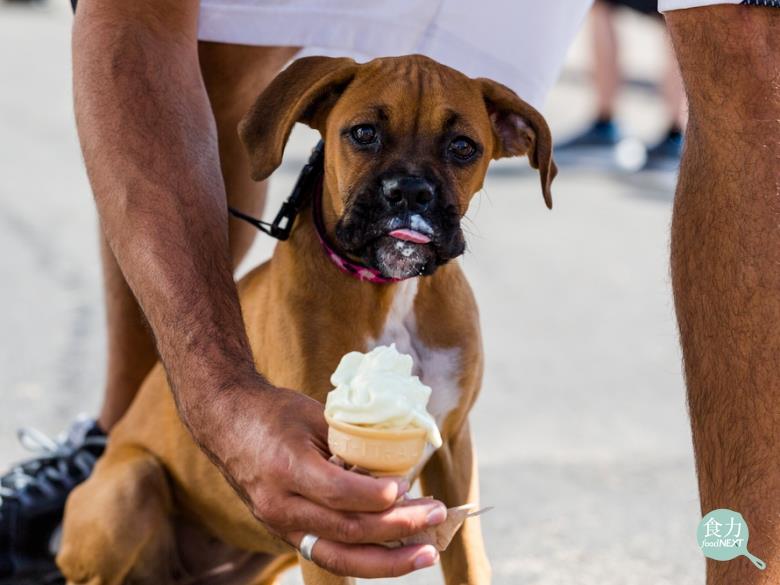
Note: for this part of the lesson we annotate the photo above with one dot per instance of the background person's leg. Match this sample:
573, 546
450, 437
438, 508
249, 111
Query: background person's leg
674, 92
726, 268
665, 153
603, 134
606, 66
234, 76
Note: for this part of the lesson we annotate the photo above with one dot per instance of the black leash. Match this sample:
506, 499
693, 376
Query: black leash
282, 224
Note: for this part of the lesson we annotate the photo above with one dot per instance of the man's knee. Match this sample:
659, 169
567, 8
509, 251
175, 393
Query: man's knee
728, 57
234, 76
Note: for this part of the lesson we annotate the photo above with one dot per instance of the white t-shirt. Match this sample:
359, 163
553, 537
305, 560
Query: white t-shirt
521, 43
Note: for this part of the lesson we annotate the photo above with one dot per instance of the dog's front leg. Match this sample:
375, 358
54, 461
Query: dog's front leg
117, 523
451, 476
314, 575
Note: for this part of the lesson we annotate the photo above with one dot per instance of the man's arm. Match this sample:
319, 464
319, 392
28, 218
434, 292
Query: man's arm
149, 142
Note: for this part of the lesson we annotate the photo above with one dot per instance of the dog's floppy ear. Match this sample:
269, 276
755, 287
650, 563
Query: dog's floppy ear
303, 92
520, 129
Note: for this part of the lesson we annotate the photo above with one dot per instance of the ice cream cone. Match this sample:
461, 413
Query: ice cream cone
378, 451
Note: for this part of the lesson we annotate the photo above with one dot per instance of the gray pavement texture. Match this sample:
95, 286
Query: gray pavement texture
581, 427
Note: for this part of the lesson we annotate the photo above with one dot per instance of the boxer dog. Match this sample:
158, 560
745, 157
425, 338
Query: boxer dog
407, 142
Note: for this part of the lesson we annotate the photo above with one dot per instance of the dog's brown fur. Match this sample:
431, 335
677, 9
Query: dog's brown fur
302, 315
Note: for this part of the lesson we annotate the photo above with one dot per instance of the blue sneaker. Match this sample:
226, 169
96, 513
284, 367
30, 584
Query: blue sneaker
594, 148
603, 133
665, 156
32, 500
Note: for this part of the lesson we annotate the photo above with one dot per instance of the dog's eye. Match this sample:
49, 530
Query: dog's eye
363, 134
462, 148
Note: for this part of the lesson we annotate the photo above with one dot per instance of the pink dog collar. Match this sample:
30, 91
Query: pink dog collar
354, 269
310, 180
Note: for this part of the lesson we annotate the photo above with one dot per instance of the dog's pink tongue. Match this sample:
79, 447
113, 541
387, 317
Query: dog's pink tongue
409, 236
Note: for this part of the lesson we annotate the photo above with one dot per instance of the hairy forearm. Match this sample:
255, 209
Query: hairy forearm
149, 143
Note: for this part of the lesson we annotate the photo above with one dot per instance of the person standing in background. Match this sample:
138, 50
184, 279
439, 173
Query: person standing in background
604, 133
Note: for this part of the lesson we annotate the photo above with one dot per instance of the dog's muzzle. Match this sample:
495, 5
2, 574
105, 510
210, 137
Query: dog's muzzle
401, 226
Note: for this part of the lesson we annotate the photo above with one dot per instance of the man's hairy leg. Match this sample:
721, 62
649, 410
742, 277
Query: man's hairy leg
606, 69
234, 75
129, 344
726, 268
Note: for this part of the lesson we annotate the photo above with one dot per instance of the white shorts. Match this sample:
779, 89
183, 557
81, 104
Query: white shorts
521, 43
667, 5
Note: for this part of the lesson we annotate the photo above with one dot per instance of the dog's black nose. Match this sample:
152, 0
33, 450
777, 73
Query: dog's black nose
416, 193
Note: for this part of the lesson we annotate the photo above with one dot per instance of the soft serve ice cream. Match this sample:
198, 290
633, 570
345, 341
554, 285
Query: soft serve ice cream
377, 390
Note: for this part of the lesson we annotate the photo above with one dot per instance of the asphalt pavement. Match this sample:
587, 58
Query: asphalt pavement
581, 427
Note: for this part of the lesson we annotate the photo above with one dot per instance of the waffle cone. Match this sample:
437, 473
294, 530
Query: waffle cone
378, 451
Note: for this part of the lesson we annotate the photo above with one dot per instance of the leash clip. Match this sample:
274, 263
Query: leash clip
282, 224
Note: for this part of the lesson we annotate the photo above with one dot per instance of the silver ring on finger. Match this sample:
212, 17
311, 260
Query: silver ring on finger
307, 545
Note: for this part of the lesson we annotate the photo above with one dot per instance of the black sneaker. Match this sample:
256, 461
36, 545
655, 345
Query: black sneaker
32, 500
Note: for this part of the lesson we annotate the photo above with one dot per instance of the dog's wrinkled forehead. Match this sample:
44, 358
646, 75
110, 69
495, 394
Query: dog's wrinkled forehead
416, 104
412, 98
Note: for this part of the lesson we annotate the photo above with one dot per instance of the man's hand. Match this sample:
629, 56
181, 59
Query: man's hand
271, 444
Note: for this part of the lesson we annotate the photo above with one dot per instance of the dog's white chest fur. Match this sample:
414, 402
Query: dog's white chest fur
437, 368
